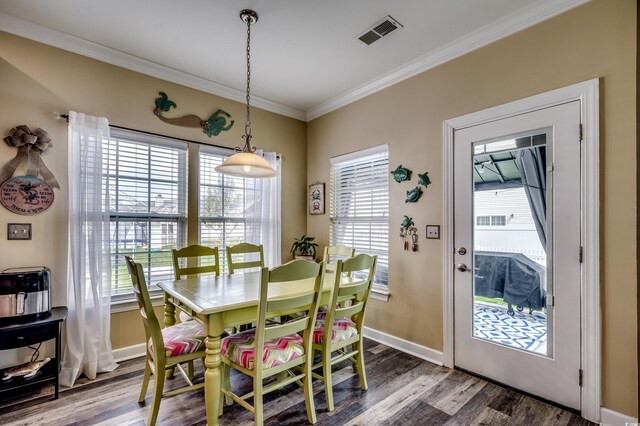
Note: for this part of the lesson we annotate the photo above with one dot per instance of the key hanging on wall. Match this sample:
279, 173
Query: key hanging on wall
413, 232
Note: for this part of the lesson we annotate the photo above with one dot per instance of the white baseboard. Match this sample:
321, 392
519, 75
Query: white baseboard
613, 418
411, 348
129, 352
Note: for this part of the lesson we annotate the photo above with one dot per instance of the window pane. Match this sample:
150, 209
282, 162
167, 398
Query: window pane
224, 201
147, 196
498, 220
359, 206
483, 221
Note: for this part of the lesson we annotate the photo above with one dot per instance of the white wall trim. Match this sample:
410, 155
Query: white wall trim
613, 418
511, 24
588, 95
406, 346
42, 34
129, 352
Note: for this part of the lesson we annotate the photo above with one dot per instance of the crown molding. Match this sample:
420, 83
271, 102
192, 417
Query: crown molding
42, 34
488, 34
497, 30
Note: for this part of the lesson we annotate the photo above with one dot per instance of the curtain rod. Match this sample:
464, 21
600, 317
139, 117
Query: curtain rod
66, 118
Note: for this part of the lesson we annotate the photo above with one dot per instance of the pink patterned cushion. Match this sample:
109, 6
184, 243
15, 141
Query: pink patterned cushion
240, 349
343, 329
183, 338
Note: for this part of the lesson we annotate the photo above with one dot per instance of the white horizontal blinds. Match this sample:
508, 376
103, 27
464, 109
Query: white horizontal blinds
359, 205
223, 203
147, 178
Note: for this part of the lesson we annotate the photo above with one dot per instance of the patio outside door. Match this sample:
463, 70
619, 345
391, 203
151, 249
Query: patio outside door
517, 252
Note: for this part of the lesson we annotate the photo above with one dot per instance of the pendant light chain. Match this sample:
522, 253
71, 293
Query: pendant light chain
245, 162
247, 125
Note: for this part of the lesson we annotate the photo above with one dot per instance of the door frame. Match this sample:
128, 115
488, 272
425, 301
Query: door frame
590, 354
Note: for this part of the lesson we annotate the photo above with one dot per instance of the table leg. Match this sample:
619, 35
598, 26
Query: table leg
169, 320
213, 372
169, 312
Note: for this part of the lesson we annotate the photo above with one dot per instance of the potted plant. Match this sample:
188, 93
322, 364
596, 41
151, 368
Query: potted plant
304, 248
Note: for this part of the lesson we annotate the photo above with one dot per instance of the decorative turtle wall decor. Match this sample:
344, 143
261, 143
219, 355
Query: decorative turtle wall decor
413, 195
406, 223
423, 179
408, 229
213, 126
401, 174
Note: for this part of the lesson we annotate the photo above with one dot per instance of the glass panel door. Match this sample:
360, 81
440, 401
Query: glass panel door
511, 241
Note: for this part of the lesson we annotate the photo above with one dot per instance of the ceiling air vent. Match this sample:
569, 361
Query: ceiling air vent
379, 30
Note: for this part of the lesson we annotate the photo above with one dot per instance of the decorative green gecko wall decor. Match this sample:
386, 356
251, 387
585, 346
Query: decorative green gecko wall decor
212, 127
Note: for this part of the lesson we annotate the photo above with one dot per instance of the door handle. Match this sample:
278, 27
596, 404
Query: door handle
462, 267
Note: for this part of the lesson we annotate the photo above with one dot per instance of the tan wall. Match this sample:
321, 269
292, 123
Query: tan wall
36, 79
594, 40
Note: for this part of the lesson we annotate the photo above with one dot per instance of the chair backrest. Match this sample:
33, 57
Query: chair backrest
357, 293
304, 301
195, 251
241, 250
337, 250
149, 319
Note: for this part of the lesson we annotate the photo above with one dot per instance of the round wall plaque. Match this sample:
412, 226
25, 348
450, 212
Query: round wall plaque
26, 195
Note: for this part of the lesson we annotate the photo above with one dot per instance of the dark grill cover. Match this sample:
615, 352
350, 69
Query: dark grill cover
513, 277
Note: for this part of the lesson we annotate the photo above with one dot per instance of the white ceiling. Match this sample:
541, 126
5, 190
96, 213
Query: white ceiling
305, 56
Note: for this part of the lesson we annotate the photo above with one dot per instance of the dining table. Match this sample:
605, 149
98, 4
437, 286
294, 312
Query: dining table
226, 301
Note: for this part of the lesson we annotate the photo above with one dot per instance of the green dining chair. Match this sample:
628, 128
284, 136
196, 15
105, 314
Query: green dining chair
239, 251
195, 251
337, 250
207, 260
166, 348
344, 324
282, 352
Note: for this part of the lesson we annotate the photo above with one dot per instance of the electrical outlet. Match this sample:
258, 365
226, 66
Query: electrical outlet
433, 232
19, 231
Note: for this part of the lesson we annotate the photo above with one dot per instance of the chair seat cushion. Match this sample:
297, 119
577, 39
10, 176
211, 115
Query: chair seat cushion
181, 339
239, 348
343, 329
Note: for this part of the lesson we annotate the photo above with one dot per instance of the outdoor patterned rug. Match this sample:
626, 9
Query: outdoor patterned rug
523, 330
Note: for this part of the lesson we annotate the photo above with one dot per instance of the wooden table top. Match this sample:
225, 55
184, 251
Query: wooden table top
208, 294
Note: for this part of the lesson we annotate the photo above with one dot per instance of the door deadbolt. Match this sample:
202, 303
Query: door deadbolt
462, 251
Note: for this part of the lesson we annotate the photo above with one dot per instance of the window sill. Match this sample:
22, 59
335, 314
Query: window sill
126, 305
380, 293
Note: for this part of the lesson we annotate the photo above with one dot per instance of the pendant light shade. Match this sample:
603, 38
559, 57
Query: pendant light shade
246, 163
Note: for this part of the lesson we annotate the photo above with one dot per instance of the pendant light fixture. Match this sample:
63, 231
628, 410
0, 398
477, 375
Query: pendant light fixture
246, 163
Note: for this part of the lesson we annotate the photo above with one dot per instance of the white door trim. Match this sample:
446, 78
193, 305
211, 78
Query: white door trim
588, 95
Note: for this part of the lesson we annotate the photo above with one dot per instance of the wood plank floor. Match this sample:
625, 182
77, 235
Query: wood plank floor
403, 390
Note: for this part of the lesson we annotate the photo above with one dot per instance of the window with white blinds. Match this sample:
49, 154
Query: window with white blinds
223, 203
359, 205
147, 178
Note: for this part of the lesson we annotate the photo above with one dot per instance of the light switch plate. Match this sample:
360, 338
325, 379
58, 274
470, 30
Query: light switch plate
19, 231
433, 232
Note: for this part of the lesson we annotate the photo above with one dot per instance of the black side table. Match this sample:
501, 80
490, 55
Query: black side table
28, 333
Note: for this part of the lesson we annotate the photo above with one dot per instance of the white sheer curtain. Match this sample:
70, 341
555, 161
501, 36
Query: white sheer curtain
88, 344
263, 214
